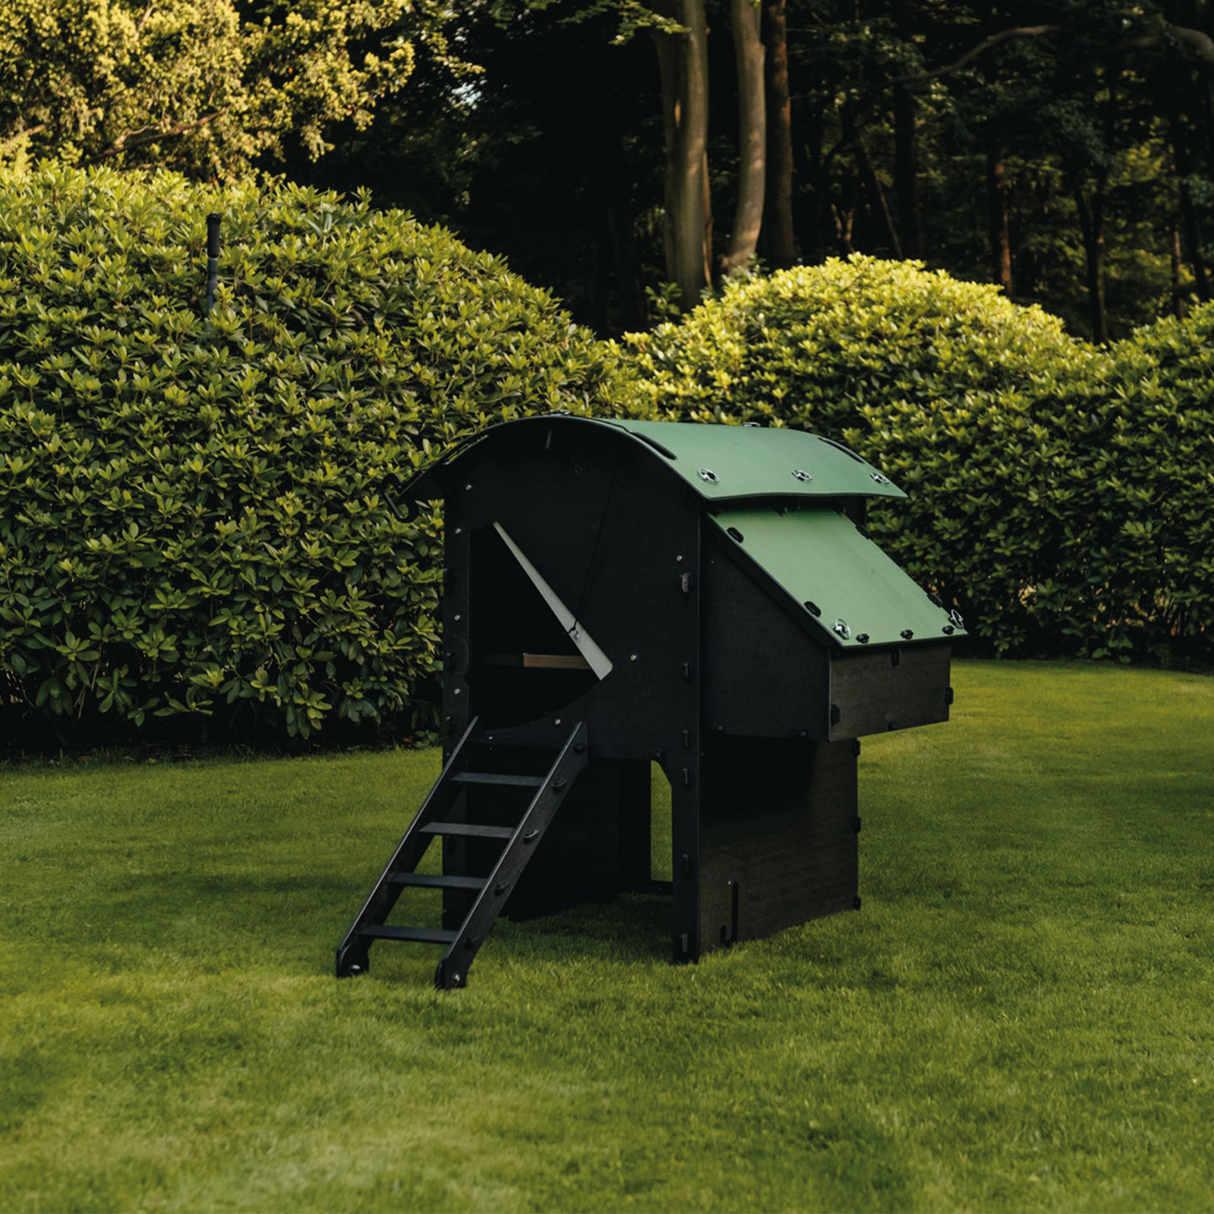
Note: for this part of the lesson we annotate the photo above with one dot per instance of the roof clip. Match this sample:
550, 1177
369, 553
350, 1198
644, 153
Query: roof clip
707, 474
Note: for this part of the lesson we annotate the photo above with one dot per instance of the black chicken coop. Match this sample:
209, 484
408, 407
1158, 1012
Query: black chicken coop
620, 593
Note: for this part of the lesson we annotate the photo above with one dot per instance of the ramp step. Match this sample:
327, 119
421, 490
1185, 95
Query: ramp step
492, 777
478, 899
424, 935
468, 830
437, 881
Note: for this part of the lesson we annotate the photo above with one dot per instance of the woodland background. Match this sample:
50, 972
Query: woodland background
629, 155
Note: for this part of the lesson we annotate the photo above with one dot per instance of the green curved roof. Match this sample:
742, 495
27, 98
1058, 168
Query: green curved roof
721, 463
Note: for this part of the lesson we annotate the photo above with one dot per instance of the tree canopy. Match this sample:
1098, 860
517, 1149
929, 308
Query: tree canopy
1063, 149
204, 86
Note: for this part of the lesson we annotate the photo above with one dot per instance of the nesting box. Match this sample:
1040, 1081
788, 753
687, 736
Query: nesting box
703, 597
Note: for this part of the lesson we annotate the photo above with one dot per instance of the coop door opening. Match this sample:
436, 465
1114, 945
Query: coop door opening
530, 654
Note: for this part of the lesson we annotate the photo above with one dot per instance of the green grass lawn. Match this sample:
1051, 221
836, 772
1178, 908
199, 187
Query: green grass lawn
1020, 1018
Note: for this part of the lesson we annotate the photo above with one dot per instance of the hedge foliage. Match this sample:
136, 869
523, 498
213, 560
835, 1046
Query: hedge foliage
1152, 516
1059, 493
192, 510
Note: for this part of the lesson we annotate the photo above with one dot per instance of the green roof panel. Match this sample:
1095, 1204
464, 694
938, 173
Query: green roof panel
821, 557
726, 462
721, 463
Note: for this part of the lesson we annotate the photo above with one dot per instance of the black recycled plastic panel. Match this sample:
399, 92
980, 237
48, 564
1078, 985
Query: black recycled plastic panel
509, 618
768, 677
616, 549
886, 689
597, 847
778, 844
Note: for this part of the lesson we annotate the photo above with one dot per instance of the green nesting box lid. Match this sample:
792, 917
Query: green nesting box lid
836, 573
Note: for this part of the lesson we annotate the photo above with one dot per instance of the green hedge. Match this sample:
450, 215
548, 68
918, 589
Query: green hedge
193, 520
192, 509
1149, 543
1059, 493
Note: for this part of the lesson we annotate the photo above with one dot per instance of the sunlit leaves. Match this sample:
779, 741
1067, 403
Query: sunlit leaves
1059, 494
194, 510
202, 85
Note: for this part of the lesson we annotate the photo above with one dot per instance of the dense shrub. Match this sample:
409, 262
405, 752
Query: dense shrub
1047, 477
193, 512
826, 342
1151, 513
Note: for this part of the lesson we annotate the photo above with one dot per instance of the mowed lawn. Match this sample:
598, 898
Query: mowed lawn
1021, 1017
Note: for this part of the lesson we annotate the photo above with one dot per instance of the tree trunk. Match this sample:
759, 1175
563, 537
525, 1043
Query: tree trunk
619, 299
906, 150
814, 212
1183, 168
683, 62
1000, 224
778, 221
870, 183
906, 173
1091, 224
845, 223
1179, 306
617, 261
1091, 221
752, 135
634, 313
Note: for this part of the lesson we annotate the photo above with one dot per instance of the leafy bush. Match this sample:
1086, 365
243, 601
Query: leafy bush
1149, 537
193, 513
826, 342
1054, 487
